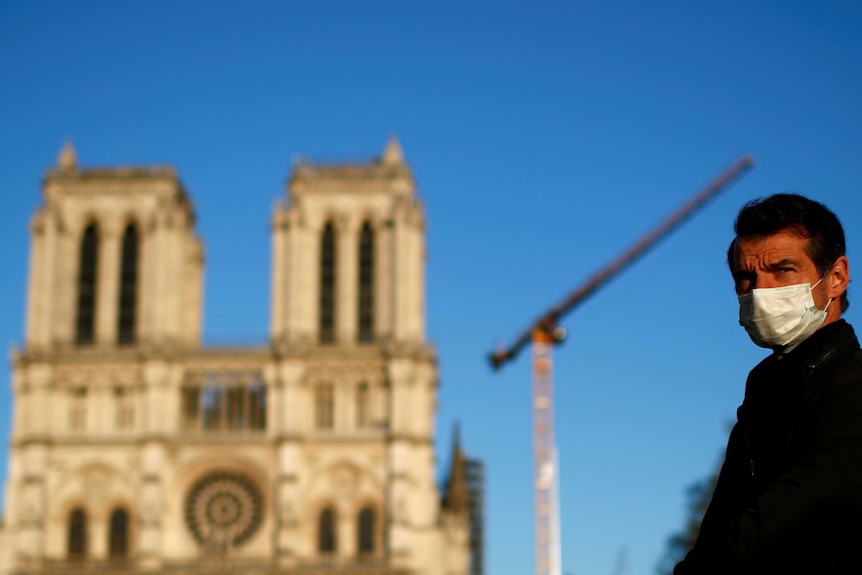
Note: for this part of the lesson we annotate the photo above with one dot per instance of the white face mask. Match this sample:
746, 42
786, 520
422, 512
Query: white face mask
781, 318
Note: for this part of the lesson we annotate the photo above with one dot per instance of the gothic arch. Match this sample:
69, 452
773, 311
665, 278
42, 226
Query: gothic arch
89, 478
357, 461
87, 284
129, 292
325, 400
328, 281
96, 488
326, 532
368, 529
363, 405
77, 533
367, 280
119, 532
346, 478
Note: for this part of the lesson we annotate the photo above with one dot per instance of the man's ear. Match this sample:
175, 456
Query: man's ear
838, 277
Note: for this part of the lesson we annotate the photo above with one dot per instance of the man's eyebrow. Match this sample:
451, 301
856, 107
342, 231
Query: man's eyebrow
742, 272
784, 263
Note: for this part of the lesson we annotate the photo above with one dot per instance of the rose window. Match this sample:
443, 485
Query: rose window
223, 510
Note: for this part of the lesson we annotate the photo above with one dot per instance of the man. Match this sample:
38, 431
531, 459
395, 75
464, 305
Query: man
789, 495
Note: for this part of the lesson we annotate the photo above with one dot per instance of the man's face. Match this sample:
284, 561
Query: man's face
780, 260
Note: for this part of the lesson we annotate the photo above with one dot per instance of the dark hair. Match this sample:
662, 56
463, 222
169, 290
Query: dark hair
800, 215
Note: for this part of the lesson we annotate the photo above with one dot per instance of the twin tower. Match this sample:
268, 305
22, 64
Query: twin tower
115, 259
135, 446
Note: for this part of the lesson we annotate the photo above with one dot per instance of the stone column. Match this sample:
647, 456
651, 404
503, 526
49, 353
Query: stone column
399, 276
38, 298
287, 505
347, 277
108, 283
384, 280
151, 506
280, 264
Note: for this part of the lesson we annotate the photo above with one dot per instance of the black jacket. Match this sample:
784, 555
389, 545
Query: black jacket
789, 495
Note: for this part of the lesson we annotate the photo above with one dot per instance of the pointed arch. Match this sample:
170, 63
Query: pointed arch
324, 406
128, 297
365, 317
77, 534
118, 534
363, 406
326, 317
366, 531
326, 538
88, 262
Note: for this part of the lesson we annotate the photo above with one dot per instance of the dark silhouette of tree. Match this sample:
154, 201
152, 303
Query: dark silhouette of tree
698, 496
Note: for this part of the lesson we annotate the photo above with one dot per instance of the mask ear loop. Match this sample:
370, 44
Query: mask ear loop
811, 289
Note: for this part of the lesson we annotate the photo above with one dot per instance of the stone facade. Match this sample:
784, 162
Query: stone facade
134, 448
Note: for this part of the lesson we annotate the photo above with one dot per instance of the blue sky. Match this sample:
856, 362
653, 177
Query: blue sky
545, 138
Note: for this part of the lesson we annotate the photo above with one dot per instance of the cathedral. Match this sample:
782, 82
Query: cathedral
134, 448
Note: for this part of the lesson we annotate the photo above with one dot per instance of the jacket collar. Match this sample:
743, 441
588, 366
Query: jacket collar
827, 345
779, 375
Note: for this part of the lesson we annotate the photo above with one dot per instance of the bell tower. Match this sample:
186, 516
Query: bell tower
348, 334
114, 295
115, 260
349, 255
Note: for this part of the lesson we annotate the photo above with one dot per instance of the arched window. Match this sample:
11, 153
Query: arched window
127, 316
257, 405
327, 285
78, 409
324, 406
365, 532
124, 408
118, 537
77, 536
88, 262
363, 417
366, 284
326, 541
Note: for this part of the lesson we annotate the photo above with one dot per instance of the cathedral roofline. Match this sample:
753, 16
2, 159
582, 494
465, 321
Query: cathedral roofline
390, 164
67, 170
120, 172
374, 169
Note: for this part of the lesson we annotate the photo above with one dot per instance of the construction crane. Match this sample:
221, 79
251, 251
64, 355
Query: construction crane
546, 332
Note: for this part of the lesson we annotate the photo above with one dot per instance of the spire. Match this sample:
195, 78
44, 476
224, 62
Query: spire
457, 496
392, 154
67, 160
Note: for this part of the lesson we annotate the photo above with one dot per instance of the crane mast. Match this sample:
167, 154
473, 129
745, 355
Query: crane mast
545, 455
544, 334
